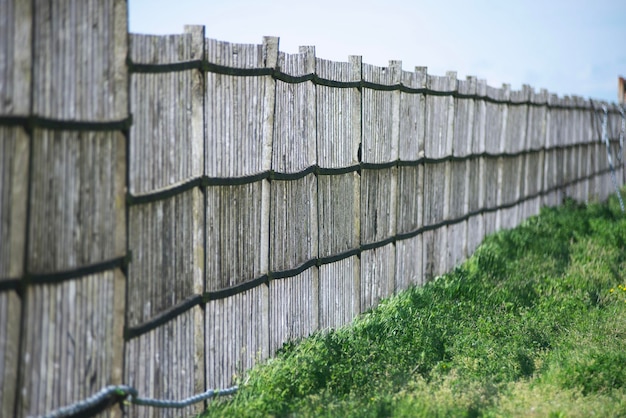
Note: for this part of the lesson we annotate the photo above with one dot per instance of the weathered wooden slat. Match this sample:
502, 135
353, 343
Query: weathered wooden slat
77, 213
71, 342
409, 263
237, 234
79, 56
168, 127
294, 143
340, 292
15, 65
168, 363
293, 223
410, 198
412, 116
237, 335
381, 114
338, 114
10, 313
338, 213
464, 118
167, 243
13, 200
378, 204
440, 116
294, 308
378, 268
239, 110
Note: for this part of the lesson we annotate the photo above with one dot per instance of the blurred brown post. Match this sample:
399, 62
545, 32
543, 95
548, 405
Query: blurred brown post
621, 90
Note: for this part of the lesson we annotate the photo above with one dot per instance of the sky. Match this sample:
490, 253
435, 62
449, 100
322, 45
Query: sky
570, 47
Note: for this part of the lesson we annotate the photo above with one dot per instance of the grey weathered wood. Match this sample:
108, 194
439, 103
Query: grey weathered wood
239, 110
464, 118
294, 143
340, 292
440, 116
410, 198
409, 263
167, 243
237, 234
167, 134
237, 335
10, 312
293, 223
412, 116
77, 213
15, 57
72, 343
338, 114
381, 114
378, 268
378, 204
14, 150
294, 308
86, 79
168, 363
338, 213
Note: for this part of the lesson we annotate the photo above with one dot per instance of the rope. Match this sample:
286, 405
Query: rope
111, 395
605, 138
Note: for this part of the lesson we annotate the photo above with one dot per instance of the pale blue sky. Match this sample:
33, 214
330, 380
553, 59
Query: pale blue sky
570, 47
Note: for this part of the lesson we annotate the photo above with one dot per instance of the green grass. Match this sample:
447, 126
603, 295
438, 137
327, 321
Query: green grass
533, 324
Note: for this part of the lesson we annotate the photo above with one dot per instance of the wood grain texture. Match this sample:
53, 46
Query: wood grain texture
293, 223
294, 144
239, 111
77, 213
410, 198
381, 114
168, 363
167, 242
338, 114
237, 237
10, 313
167, 146
440, 116
237, 335
79, 60
14, 150
340, 292
378, 204
339, 214
72, 341
409, 263
15, 57
293, 308
412, 116
378, 269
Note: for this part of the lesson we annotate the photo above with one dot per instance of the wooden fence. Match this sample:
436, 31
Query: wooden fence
254, 196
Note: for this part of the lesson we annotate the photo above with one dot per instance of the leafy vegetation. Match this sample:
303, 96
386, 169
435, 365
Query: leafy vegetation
533, 324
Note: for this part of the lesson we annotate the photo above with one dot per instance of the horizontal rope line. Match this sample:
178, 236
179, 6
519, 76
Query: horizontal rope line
205, 181
161, 318
205, 66
30, 123
61, 276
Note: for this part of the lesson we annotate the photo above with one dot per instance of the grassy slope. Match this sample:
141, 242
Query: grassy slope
533, 324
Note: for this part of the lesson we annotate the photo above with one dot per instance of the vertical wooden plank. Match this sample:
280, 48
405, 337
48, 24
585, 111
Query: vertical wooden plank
340, 292
167, 132
15, 66
237, 335
166, 238
294, 308
409, 263
378, 269
294, 146
476, 171
71, 350
338, 141
10, 312
412, 116
14, 150
168, 363
293, 203
293, 223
